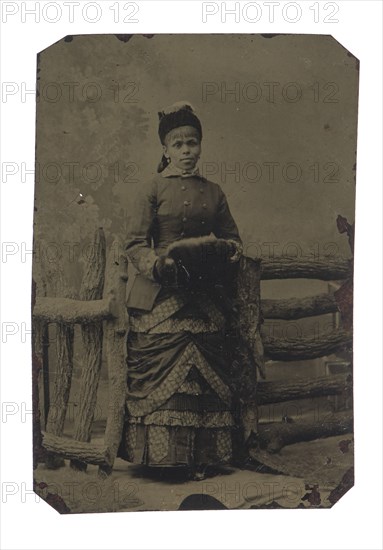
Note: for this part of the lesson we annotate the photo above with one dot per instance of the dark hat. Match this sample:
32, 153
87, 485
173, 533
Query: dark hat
176, 115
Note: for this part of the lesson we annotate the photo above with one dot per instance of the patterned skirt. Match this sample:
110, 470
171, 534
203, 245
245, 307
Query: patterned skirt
179, 402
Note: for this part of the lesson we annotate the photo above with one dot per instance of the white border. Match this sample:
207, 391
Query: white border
354, 523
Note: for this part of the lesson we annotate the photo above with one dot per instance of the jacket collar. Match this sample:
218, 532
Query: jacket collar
170, 171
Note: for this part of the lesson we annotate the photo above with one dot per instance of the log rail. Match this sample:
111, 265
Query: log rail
294, 308
278, 392
325, 269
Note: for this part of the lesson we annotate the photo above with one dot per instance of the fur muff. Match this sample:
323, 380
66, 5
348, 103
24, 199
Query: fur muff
202, 260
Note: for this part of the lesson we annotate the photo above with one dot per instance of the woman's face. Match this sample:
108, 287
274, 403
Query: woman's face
183, 147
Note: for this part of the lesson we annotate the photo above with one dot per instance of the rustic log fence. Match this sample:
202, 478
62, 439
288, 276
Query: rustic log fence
103, 299
102, 315
273, 436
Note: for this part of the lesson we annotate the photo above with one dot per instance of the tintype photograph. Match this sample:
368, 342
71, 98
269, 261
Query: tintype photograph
192, 289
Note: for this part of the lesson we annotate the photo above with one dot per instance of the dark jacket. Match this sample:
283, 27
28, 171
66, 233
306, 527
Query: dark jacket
169, 209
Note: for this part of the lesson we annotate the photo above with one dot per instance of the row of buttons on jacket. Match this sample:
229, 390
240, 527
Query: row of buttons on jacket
187, 203
184, 188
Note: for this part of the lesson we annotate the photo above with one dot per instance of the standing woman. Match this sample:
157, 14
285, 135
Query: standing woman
184, 244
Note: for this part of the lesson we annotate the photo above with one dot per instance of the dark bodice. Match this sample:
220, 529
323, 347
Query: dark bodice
187, 207
174, 208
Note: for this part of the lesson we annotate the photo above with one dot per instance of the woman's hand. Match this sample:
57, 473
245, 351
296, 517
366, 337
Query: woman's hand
165, 271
